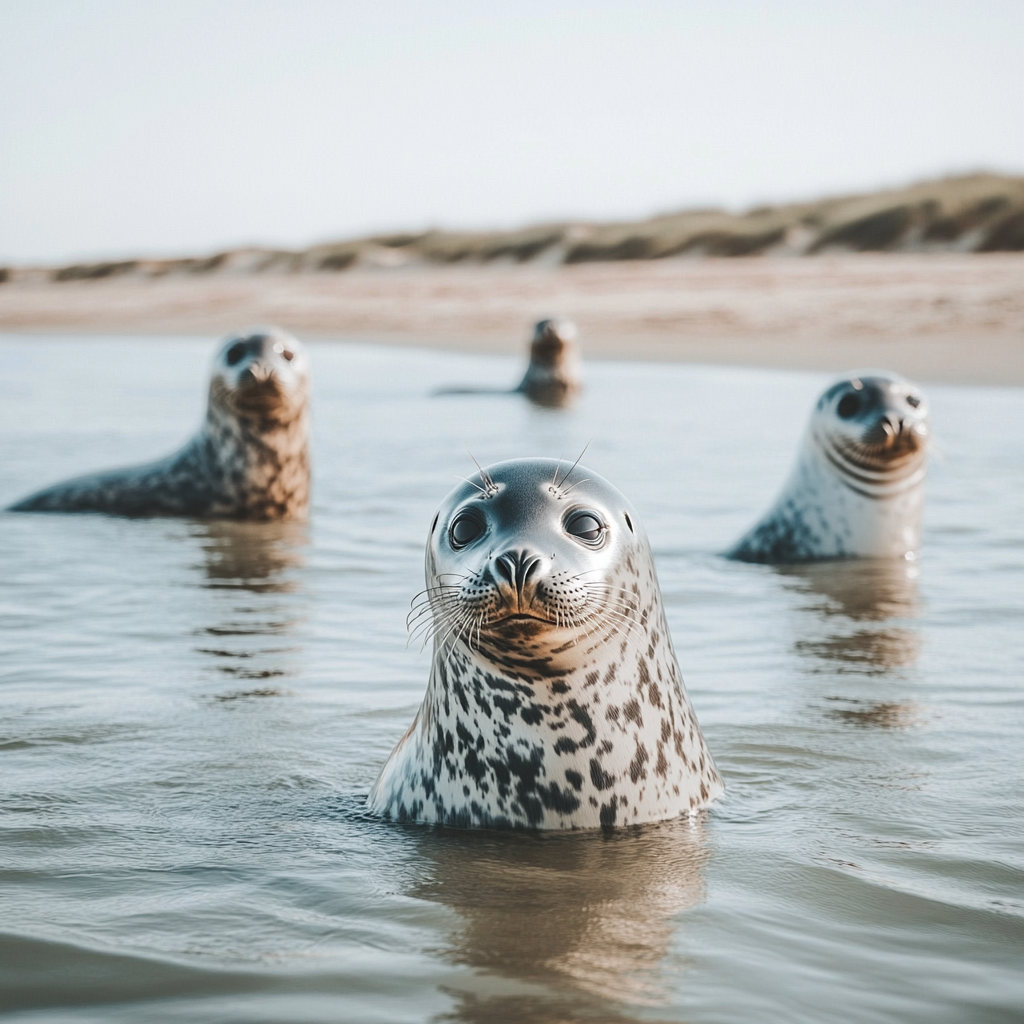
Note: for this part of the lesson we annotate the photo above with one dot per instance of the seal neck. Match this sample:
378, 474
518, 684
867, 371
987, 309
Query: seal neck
261, 466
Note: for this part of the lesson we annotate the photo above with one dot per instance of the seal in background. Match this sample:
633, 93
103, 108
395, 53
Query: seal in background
857, 490
249, 460
555, 699
554, 377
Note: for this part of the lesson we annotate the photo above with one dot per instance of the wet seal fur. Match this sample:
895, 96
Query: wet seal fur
857, 490
249, 460
554, 377
555, 699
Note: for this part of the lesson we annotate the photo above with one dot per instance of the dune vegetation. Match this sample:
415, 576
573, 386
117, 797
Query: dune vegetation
972, 213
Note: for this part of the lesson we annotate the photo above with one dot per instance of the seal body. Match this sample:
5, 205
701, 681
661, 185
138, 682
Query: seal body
555, 699
554, 375
249, 460
857, 490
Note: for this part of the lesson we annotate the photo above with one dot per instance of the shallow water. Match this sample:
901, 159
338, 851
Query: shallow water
192, 714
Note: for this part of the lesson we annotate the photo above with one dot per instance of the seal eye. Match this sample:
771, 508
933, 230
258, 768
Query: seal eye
235, 353
849, 405
465, 529
913, 401
585, 525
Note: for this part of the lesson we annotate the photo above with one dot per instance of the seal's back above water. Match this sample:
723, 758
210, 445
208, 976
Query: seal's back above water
857, 490
555, 699
249, 460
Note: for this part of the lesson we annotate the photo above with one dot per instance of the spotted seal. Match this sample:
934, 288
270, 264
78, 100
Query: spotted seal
554, 377
857, 489
249, 460
555, 699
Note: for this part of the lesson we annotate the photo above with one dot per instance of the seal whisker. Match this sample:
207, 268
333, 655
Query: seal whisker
427, 627
624, 627
569, 490
466, 479
557, 483
438, 633
429, 605
484, 476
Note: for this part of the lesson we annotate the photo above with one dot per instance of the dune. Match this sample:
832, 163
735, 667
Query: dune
926, 280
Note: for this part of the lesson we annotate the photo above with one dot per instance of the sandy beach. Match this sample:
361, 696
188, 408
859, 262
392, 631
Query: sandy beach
934, 317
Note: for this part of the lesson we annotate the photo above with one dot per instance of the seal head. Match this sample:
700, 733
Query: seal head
554, 375
249, 460
857, 490
555, 699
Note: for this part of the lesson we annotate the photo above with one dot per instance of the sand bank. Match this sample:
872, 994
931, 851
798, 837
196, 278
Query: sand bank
940, 317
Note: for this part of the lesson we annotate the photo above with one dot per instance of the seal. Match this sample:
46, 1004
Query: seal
555, 699
249, 459
553, 378
857, 490
554, 375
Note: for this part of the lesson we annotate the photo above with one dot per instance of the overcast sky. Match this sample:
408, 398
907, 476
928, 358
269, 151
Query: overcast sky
185, 126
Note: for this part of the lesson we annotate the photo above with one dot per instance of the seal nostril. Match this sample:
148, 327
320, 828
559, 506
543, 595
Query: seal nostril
505, 568
517, 569
892, 424
529, 568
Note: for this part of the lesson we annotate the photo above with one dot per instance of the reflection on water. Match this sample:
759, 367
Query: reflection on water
596, 910
256, 557
865, 604
892, 714
865, 649
860, 629
252, 563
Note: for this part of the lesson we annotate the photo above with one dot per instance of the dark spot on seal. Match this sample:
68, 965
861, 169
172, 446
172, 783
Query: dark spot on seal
599, 777
636, 766
532, 715
631, 709
581, 715
609, 812
475, 767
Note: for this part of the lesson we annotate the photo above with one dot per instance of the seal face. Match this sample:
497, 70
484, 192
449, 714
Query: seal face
857, 490
554, 375
555, 699
249, 460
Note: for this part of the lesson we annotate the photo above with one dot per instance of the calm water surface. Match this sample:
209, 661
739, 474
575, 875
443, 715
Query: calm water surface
191, 716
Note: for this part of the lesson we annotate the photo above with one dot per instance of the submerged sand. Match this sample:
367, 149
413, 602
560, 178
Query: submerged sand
940, 317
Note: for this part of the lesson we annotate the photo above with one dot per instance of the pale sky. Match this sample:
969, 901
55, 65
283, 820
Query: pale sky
190, 125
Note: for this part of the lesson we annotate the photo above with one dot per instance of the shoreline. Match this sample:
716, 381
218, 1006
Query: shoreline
955, 318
